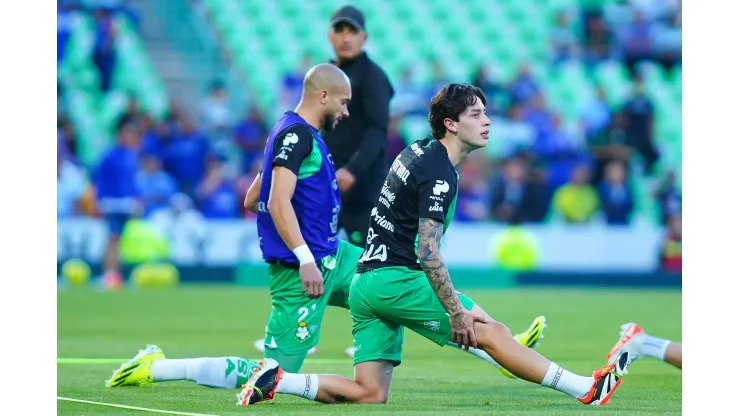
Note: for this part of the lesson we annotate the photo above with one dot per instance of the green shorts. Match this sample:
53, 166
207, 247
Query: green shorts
294, 322
385, 300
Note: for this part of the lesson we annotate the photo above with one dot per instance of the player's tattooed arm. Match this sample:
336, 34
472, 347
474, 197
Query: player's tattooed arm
430, 236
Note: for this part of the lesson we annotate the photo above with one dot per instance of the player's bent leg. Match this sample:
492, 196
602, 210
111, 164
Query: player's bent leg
371, 384
294, 325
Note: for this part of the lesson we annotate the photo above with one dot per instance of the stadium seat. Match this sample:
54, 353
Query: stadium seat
514, 32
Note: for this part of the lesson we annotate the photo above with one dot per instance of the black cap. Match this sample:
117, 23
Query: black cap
350, 15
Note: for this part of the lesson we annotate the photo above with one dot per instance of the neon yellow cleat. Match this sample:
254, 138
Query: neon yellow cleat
529, 338
137, 371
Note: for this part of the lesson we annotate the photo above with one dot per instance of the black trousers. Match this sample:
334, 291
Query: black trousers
355, 219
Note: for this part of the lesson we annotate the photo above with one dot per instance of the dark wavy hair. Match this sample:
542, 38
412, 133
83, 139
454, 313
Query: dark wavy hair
450, 102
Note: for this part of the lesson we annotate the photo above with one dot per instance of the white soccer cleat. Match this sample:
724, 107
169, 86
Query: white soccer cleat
630, 338
259, 345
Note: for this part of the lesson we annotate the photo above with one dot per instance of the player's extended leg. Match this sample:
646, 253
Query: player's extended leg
495, 338
636, 342
150, 366
529, 338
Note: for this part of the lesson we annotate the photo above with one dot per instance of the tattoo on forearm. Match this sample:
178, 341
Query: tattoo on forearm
340, 399
430, 236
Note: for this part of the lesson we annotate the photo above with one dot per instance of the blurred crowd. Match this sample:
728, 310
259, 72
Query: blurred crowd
544, 171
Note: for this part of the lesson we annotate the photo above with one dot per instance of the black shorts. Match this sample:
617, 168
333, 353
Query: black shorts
355, 221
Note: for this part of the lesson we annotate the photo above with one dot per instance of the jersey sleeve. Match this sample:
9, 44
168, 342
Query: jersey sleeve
292, 146
437, 190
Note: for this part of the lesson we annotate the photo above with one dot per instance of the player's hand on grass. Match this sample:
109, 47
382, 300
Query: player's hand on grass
313, 282
463, 328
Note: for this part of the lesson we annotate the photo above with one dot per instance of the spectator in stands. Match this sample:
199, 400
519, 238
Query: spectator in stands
577, 201
71, 184
215, 113
408, 97
117, 193
667, 41
669, 197
154, 136
539, 117
596, 114
514, 196
524, 86
216, 195
496, 94
563, 39
616, 195
639, 116
292, 84
156, 186
472, 192
513, 134
185, 157
670, 249
609, 145
635, 41
250, 136
396, 141
599, 42
104, 49
439, 79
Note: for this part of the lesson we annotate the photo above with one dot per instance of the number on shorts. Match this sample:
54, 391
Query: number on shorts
303, 312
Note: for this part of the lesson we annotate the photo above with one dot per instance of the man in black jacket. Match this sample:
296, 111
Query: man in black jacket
358, 143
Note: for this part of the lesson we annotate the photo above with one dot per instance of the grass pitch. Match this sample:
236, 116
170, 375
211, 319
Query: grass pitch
225, 320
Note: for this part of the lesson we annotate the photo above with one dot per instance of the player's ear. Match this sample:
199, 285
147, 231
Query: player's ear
330, 35
450, 125
324, 96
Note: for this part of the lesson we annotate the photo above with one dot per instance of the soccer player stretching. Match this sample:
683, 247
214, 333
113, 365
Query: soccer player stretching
297, 202
403, 281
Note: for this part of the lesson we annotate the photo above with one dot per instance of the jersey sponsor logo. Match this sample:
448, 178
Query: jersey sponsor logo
436, 207
441, 187
400, 170
334, 219
386, 196
415, 147
432, 325
290, 138
381, 221
372, 253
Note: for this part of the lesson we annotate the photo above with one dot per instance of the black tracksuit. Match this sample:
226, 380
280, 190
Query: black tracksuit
358, 143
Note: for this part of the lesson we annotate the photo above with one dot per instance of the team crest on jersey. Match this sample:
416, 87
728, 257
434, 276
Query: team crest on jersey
302, 334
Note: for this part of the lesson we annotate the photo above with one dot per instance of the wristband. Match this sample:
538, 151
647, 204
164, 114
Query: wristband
304, 255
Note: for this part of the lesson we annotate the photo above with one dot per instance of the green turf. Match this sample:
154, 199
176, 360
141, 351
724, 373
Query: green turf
216, 321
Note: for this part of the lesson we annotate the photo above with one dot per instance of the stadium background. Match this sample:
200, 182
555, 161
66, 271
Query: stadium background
582, 177
206, 78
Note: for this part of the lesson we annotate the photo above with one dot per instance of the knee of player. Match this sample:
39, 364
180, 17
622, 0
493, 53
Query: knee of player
374, 396
492, 331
